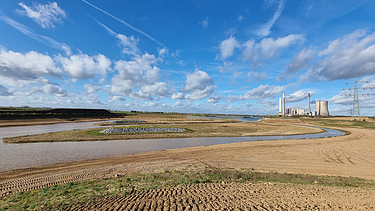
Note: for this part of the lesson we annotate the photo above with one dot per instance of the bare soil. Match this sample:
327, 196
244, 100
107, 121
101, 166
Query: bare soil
348, 156
237, 196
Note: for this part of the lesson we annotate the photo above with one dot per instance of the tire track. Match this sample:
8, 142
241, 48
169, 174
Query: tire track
236, 196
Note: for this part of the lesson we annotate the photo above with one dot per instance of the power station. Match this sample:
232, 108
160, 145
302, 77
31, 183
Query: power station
321, 108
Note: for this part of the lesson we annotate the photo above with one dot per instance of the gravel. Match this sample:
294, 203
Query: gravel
142, 130
127, 122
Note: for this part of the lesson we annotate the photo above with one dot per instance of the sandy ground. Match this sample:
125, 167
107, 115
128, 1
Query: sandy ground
349, 156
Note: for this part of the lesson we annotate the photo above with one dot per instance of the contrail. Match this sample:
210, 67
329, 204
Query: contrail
126, 24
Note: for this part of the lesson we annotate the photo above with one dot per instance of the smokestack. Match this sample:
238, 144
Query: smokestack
309, 111
280, 106
284, 104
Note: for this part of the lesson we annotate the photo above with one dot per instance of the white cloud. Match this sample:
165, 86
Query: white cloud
28, 66
4, 91
129, 44
227, 47
301, 60
260, 92
43, 39
178, 96
213, 99
117, 98
240, 18
199, 84
44, 15
253, 76
268, 48
54, 90
205, 22
348, 57
139, 73
83, 66
91, 89
265, 30
228, 66
298, 96
160, 89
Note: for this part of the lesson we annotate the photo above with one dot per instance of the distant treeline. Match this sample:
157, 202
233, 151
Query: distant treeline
58, 112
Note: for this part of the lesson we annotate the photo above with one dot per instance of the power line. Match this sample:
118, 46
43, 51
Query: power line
354, 92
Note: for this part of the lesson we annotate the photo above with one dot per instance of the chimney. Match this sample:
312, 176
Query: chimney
309, 111
283, 104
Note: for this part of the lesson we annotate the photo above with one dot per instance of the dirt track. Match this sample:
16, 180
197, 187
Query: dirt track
350, 155
237, 196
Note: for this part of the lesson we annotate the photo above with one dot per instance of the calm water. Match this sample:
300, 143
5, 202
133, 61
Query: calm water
18, 156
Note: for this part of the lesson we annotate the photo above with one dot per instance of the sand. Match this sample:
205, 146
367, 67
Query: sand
348, 156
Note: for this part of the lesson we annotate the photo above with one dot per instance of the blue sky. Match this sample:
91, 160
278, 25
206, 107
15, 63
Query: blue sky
209, 56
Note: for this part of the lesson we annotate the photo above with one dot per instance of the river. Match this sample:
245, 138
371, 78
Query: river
19, 156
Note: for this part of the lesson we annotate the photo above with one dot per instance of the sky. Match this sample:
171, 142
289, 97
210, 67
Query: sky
191, 56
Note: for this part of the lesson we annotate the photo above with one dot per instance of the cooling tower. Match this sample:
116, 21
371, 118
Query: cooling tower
322, 108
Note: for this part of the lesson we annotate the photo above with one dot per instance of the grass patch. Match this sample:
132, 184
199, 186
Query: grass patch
193, 130
340, 123
57, 197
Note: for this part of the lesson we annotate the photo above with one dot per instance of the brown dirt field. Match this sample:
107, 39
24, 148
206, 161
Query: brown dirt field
237, 196
348, 156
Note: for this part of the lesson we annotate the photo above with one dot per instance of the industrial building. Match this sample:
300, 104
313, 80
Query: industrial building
321, 108
295, 111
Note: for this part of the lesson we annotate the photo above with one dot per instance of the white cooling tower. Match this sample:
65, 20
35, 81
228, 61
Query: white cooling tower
322, 108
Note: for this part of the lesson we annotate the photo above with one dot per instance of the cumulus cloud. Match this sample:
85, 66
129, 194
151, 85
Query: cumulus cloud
260, 92
300, 61
129, 44
268, 48
90, 89
348, 57
265, 30
178, 96
227, 47
160, 89
199, 84
28, 66
4, 91
116, 98
45, 15
298, 96
83, 66
139, 73
213, 99
205, 22
54, 90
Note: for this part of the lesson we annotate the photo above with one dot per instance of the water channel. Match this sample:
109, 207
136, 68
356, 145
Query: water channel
19, 156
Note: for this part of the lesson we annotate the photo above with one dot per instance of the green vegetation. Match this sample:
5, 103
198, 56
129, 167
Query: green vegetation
340, 123
57, 197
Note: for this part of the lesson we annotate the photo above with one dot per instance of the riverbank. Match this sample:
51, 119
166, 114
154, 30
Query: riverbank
347, 156
193, 130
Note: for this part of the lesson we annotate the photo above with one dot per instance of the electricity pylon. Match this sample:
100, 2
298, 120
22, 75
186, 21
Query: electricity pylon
354, 92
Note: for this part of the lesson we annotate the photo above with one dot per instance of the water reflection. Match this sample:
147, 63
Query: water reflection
18, 156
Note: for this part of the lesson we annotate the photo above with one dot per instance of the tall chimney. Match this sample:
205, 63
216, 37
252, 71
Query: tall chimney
283, 104
280, 106
309, 111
